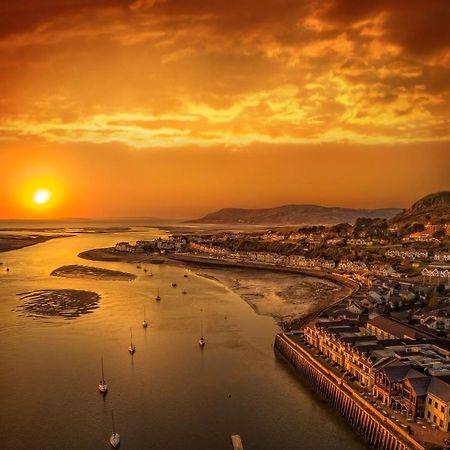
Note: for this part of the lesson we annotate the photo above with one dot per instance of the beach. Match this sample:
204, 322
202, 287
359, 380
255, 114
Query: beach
287, 297
95, 273
290, 296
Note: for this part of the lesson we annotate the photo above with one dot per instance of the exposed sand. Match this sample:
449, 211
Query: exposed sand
13, 242
96, 273
109, 254
287, 297
65, 303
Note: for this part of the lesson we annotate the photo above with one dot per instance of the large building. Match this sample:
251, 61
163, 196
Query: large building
407, 370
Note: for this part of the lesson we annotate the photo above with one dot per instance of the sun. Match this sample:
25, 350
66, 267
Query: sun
41, 196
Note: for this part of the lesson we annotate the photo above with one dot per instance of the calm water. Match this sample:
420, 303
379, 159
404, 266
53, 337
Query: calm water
170, 395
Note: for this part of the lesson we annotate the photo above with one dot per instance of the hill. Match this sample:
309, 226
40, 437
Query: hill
433, 208
293, 215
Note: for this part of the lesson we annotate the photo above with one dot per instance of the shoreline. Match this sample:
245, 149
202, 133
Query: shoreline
315, 308
9, 242
269, 290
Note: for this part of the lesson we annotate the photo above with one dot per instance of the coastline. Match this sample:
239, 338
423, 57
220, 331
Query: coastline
291, 296
291, 299
14, 242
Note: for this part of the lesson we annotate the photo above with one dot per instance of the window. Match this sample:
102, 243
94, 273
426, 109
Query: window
442, 408
428, 415
429, 401
435, 405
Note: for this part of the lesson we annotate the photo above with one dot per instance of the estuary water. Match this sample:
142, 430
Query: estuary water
170, 395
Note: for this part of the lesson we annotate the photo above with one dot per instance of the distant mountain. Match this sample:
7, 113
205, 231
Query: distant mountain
294, 215
434, 208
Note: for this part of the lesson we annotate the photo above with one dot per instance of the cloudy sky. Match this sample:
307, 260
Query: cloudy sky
177, 107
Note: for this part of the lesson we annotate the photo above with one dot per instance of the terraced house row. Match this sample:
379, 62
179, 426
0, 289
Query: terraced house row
406, 368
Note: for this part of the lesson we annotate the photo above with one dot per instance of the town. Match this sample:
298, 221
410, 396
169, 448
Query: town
406, 276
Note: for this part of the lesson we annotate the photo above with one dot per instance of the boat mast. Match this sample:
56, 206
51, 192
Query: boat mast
103, 373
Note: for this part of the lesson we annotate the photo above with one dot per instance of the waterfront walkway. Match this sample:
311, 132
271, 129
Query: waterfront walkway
421, 430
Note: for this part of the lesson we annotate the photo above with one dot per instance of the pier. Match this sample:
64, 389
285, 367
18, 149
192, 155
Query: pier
379, 431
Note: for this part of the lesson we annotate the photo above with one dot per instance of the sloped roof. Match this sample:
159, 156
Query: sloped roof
420, 385
440, 388
397, 329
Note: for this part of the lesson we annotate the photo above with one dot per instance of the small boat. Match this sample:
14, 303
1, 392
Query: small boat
185, 275
138, 266
174, 284
202, 340
151, 274
158, 297
145, 268
131, 348
7, 267
102, 386
144, 322
114, 439
184, 292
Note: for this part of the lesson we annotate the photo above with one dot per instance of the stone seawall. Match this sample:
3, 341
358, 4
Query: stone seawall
379, 431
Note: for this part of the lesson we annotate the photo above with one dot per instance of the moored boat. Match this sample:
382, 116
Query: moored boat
131, 348
144, 322
103, 386
114, 439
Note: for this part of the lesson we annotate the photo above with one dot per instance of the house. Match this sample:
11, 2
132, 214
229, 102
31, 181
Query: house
438, 319
355, 307
442, 257
388, 328
437, 406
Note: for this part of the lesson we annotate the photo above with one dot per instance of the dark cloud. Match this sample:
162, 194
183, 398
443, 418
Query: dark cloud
420, 27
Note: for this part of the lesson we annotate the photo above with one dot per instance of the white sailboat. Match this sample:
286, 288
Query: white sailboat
103, 386
144, 322
202, 340
114, 439
131, 348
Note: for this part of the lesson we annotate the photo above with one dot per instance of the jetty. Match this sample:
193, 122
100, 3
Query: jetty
236, 441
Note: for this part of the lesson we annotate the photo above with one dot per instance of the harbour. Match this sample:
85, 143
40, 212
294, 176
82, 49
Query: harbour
170, 393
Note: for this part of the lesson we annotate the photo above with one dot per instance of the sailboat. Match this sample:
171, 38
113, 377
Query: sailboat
158, 298
131, 348
102, 386
144, 322
114, 439
202, 340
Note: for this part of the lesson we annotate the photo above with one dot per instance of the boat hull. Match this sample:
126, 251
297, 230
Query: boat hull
114, 440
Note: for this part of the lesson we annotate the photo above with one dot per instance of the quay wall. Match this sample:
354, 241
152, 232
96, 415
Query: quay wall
379, 432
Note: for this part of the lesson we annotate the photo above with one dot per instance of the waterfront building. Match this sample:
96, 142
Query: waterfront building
388, 328
408, 372
437, 404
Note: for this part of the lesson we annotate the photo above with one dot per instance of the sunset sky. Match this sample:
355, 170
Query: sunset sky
174, 108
